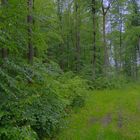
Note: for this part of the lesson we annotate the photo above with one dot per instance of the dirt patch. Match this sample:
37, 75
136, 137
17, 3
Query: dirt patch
106, 120
120, 120
92, 121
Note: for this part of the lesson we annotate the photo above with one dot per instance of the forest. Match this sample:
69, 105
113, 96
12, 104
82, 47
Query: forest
69, 69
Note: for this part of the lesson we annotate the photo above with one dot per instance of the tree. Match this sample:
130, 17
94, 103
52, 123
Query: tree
4, 50
93, 5
30, 31
105, 6
77, 34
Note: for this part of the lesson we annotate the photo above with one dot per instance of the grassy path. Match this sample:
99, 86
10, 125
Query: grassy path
108, 115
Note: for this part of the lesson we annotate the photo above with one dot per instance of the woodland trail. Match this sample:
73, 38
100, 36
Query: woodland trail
107, 115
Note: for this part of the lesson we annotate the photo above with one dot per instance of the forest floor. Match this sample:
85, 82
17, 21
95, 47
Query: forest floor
107, 115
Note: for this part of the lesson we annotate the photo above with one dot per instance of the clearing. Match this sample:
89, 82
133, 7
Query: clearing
107, 115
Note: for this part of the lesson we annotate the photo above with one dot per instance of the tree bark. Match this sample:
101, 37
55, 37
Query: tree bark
4, 51
77, 35
94, 37
60, 45
121, 24
106, 57
30, 32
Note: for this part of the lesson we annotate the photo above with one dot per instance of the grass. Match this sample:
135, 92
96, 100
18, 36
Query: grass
107, 115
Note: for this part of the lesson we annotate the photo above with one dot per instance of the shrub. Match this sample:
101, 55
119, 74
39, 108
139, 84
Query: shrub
73, 89
33, 101
108, 82
17, 133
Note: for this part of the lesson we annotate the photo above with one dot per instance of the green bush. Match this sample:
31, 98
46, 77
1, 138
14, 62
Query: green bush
73, 89
33, 102
108, 82
78, 101
17, 133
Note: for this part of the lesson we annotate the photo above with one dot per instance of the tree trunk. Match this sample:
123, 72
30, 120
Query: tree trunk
30, 24
4, 51
60, 45
121, 24
94, 38
135, 63
77, 29
106, 61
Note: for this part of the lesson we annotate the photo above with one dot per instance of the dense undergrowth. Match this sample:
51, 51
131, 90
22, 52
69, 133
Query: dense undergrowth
109, 83
35, 99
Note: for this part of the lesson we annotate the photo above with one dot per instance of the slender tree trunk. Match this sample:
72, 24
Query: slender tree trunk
61, 46
135, 64
4, 51
68, 46
30, 32
94, 38
106, 61
68, 36
121, 24
106, 56
77, 29
120, 48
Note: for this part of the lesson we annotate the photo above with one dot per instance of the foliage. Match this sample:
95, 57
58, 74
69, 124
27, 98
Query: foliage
109, 83
74, 89
53, 52
35, 102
